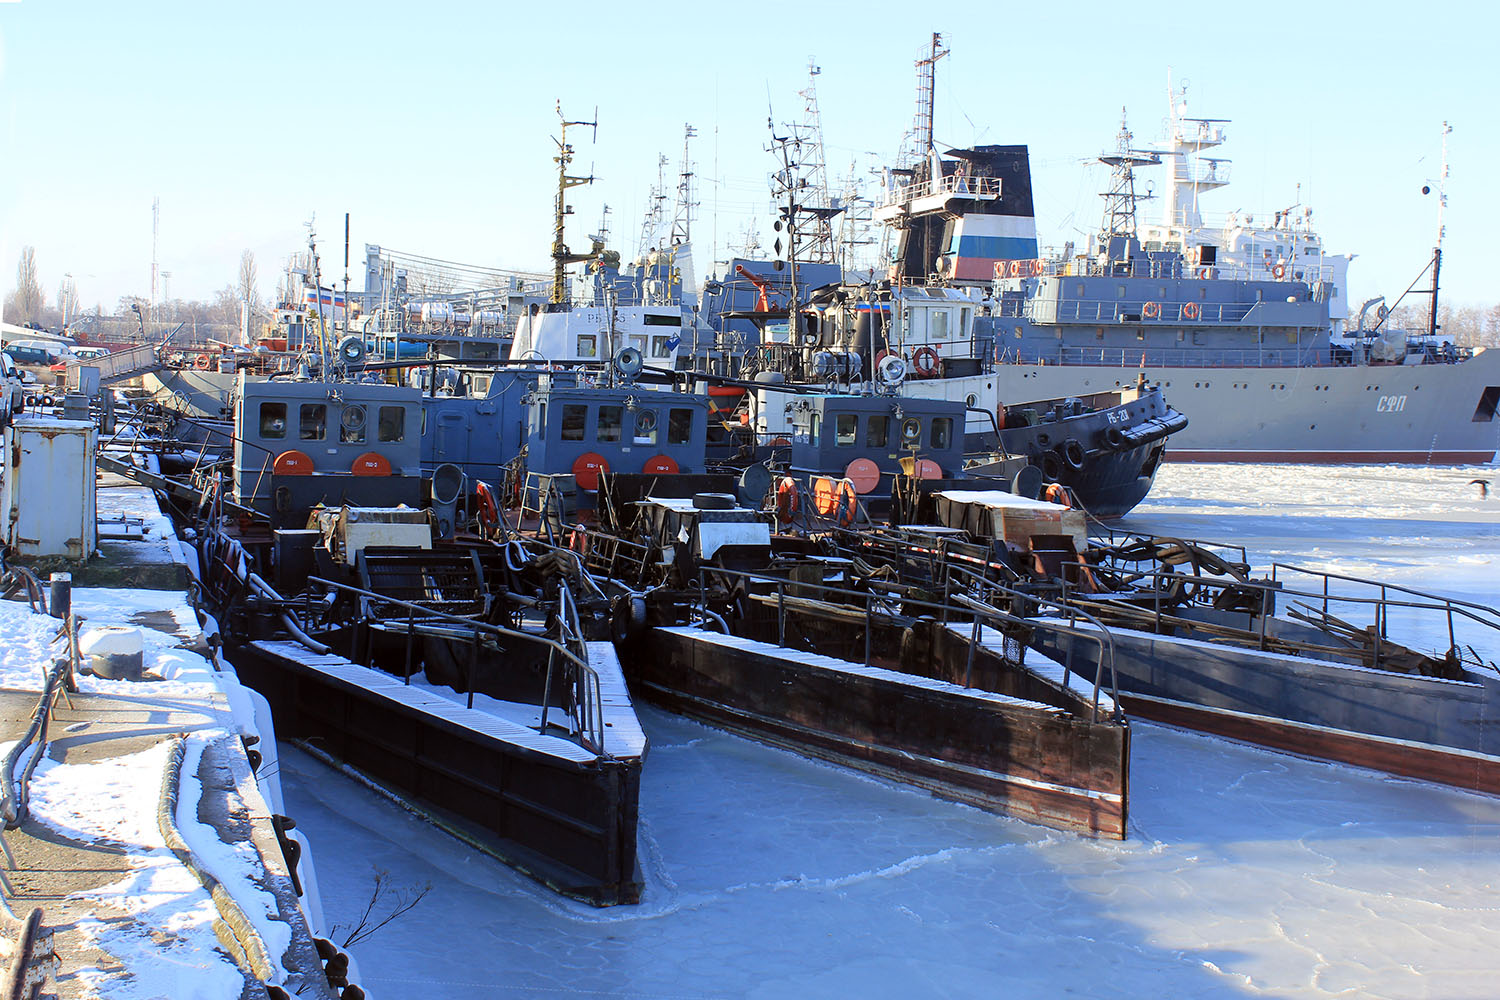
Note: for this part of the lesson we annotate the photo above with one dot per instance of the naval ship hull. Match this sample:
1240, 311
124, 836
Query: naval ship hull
1434, 414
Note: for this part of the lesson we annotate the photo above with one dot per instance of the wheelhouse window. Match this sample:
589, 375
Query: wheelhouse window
814, 427
273, 420
352, 424
679, 425
313, 421
587, 345
574, 419
392, 424
940, 433
846, 430
940, 324
877, 432
645, 426
661, 347
610, 420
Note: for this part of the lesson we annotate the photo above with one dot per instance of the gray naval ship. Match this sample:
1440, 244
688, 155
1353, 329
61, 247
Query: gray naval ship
1243, 327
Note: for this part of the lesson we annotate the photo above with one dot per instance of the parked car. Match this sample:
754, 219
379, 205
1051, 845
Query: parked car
37, 356
12, 386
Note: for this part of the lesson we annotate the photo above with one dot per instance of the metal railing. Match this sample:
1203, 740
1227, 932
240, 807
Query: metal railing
976, 610
1170, 591
568, 652
961, 185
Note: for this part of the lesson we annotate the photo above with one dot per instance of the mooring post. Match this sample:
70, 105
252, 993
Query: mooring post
60, 599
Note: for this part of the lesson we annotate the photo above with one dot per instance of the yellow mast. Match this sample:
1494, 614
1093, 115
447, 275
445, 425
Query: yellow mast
561, 256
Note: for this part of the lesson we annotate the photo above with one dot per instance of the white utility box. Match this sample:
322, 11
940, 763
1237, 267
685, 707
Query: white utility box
48, 496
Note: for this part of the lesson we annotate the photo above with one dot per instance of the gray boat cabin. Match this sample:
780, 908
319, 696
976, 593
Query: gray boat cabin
301, 443
831, 432
582, 430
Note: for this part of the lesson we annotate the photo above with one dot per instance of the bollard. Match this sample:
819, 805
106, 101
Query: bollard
60, 596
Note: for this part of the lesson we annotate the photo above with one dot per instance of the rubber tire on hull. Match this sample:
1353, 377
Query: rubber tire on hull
1072, 453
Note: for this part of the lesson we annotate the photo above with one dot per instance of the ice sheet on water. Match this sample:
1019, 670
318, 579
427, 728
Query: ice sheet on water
769, 875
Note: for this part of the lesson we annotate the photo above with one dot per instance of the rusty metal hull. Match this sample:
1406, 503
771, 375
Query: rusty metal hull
993, 750
570, 823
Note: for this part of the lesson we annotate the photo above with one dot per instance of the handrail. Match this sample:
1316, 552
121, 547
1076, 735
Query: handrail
588, 709
1477, 613
1101, 635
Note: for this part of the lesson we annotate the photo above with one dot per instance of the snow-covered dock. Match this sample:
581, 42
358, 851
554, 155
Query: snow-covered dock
138, 825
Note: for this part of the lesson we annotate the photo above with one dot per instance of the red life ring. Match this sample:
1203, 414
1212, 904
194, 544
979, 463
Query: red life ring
1204, 272
201, 362
1151, 310
786, 500
1056, 493
578, 541
1190, 310
1278, 272
926, 362
1013, 269
489, 514
1036, 268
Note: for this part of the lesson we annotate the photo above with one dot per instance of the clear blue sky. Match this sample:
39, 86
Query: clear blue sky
430, 122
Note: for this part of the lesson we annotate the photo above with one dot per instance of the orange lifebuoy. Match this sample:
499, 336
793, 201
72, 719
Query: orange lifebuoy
201, 362
1013, 269
1205, 272
1278, 272
926, 362
1037, 268
1151, 310
489, 514
1056, 493
825, 495
292, 463
787, 500
1190, 310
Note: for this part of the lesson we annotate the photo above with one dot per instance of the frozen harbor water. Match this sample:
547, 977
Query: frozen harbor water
1246, 873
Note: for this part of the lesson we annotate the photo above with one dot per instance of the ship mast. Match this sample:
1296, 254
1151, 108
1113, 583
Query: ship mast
1437, 251
561, 256
926, 88
1121, 198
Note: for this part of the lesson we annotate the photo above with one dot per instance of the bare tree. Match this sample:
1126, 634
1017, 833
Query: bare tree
247, 280
25, 304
